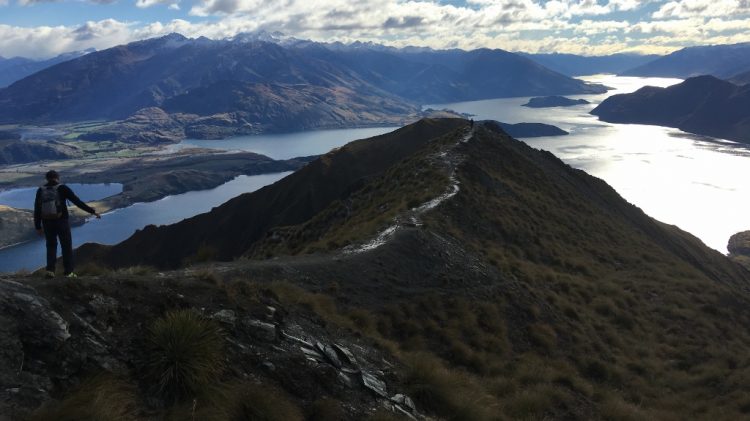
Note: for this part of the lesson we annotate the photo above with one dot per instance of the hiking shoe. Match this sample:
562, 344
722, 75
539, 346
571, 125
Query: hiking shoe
71, 275
49, 274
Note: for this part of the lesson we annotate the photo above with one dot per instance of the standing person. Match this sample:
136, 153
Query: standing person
51, 219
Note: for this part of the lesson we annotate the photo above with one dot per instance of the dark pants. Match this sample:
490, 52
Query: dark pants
54, 229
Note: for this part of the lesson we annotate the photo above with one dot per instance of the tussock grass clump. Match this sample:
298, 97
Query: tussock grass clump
445, 392
185, 354
102, 398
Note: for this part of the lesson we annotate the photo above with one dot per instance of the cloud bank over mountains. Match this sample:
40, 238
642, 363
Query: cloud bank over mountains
587, 27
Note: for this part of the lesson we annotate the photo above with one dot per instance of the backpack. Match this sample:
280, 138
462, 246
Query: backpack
51, 202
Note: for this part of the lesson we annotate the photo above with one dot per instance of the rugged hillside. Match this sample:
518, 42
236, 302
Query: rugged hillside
722, 61
268, 84
574, 65
703, 105
508, 284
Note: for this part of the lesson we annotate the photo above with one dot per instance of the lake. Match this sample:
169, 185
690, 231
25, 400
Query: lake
120, 224
697, 183
24, 198
290, 145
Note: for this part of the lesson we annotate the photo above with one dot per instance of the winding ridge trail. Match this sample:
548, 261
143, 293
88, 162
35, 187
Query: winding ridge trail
450, 158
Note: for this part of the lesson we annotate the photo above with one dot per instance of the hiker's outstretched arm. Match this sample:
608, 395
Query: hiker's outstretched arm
76, 201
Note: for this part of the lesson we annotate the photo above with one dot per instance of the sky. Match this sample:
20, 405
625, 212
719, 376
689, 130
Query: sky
45, 28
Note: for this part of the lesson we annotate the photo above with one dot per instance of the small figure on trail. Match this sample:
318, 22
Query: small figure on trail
51, 219
471, 122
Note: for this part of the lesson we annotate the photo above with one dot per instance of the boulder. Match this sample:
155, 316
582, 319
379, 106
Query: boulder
739, 244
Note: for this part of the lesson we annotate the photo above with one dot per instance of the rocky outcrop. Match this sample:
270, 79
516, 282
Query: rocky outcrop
47, 347
739, 248
740, 243
32, 335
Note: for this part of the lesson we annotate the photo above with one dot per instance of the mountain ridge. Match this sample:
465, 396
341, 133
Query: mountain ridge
703, 105
722, 61
118, 82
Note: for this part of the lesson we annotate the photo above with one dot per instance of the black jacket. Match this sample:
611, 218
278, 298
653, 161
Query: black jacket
65, 194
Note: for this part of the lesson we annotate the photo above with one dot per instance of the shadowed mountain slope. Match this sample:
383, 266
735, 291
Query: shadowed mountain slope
703, 105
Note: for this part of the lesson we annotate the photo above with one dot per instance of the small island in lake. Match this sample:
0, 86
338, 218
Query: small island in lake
529, 129
553, 101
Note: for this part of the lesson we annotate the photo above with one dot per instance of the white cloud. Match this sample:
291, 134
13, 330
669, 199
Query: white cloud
517, 25
47, 41
702, 8
596, 27
172, 4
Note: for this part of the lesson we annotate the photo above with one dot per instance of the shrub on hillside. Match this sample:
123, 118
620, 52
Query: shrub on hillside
444, 392
184, 354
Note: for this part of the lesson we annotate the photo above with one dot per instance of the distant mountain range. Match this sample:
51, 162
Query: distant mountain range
272, 85
17, 68
575, 65
722, 61
703, 105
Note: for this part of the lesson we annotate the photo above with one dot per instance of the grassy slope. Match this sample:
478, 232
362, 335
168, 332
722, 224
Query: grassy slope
535, 293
